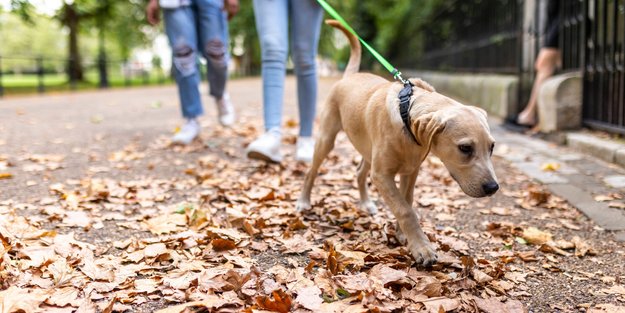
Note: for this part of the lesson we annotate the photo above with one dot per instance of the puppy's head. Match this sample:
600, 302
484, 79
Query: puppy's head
460, 137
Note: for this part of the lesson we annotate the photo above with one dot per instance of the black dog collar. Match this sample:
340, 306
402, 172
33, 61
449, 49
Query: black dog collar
404, 108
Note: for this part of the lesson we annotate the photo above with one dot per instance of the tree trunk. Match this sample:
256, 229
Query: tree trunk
72, 20
102, 66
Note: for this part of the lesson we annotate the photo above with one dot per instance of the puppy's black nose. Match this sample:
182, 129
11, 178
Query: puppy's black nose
490, 188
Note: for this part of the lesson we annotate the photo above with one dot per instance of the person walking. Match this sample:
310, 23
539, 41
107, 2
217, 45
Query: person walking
272, 23
197, 27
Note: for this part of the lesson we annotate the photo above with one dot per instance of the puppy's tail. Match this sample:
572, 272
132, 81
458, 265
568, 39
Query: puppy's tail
354, 56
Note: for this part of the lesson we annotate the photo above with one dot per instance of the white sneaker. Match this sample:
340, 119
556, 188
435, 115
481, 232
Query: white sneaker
305, 149
225, 110
266, 147
189, 131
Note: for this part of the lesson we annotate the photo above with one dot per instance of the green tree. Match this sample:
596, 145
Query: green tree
22, 41
392, 27
122, 18
244, 39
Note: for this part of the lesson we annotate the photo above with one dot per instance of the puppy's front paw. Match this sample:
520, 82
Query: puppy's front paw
302, 205
369, 206
423, 254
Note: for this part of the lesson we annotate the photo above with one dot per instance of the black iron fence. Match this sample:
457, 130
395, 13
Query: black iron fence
504, 36
474, 36
572, 31
22, 74
604, 76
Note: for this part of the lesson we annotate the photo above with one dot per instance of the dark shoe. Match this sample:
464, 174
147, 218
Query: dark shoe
512, 125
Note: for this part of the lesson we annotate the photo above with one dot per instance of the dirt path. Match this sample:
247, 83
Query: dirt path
101, 213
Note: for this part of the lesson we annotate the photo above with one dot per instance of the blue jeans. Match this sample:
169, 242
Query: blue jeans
272, 24
201, 27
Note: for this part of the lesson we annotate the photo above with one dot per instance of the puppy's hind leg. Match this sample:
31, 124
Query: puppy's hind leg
329, 127
365, 201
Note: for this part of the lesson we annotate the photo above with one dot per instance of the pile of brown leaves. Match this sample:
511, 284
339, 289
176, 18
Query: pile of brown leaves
236, 244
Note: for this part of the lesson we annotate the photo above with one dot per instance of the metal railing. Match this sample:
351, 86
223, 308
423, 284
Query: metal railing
572, 34
474, 36
604, 74
24, 74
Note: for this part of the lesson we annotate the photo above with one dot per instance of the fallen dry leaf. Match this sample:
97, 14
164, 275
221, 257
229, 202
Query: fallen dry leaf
445, 217
16, 299
76, 218
64, 296
155, 250
480, 276
355, 259
87, 306
209, 303
537, 196
441, 304
223, 244
309, 298
615, 290
279, 302
582, 248
536, 236
354, 283
503, 211
426, 284
550, 167
385, 274
493, 305
164, 224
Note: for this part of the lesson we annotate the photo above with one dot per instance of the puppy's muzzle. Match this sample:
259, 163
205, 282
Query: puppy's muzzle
490, 188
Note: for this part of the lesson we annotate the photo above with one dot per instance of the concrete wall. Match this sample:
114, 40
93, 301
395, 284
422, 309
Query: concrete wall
560, 103
497, 94
559, 98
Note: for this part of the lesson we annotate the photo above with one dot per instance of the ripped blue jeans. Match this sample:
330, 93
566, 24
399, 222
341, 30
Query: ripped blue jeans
199, 28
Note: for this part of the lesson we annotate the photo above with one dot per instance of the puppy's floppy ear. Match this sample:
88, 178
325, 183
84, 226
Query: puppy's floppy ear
426, 127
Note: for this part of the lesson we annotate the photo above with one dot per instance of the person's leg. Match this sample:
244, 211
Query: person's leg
306, 17
272, 26
180, 29
546, 64
213, 43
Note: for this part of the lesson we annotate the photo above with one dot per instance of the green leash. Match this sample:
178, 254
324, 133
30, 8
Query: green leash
396, 73
405, 94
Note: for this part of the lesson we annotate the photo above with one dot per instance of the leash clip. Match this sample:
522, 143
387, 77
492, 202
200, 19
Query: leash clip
397, 75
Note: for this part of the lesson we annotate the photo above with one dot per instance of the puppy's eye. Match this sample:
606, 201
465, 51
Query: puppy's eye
466, 149
492, 147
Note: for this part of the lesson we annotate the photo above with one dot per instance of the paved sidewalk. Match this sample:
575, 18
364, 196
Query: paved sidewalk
585, 182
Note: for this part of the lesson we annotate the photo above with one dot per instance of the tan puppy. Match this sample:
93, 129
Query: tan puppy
366, 107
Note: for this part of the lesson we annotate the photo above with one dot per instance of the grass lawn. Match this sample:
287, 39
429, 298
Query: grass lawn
28, 83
